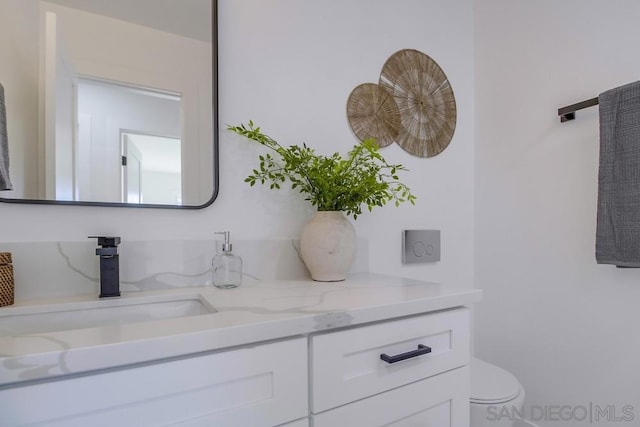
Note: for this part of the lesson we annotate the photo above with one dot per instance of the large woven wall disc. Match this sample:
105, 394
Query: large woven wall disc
372, 113
424, 99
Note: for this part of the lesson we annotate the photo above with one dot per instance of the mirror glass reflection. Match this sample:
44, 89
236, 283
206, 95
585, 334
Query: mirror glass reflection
109, 101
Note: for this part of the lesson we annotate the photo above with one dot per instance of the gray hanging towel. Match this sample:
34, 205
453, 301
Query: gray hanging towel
618, 219
5, 181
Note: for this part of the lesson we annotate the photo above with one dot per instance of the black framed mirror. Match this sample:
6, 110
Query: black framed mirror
111, 102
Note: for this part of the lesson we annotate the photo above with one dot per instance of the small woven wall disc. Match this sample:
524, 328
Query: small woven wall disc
424, 99
372, 113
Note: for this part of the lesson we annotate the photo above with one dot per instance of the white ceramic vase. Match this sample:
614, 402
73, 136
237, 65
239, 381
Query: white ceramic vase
328, 246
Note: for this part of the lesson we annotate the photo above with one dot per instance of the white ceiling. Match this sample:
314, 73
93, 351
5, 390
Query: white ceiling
189, 18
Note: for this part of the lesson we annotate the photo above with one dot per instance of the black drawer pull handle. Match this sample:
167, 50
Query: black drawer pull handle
422, 349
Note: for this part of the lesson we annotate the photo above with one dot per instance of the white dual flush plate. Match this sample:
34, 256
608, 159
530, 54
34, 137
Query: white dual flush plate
420, 246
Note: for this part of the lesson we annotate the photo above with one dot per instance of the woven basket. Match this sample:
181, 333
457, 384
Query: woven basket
373, 113
425, 101
6, 279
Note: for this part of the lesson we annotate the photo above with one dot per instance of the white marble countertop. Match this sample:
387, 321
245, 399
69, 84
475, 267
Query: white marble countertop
256, 311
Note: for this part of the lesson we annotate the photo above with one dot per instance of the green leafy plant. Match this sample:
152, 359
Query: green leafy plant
332, 183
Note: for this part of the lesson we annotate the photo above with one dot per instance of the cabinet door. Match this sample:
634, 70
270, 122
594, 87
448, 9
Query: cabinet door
440, 401
265, 385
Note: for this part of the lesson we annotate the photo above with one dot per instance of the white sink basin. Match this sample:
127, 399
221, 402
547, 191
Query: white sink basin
16, 321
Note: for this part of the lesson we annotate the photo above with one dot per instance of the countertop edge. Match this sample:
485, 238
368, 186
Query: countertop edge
51, 365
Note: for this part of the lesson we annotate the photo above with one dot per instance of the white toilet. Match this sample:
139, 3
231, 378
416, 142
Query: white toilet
497, 398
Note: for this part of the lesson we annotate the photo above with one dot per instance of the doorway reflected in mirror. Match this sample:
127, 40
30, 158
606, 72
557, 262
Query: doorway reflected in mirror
151, 169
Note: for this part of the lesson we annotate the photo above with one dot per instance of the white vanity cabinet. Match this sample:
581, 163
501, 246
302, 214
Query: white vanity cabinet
264, 385
282, 353
351, 385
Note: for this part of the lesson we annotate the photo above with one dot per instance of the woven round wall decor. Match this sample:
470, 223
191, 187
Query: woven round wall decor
372, 113
425, 102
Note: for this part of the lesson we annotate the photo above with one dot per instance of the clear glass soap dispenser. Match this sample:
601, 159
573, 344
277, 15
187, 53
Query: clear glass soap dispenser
226, 268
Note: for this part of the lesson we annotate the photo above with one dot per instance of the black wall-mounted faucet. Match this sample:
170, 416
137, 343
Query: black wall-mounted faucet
109, 265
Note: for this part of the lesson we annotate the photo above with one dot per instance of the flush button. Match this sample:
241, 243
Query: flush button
420, 246
419, 249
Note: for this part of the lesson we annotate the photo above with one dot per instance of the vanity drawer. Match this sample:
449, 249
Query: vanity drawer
260, 386
440, 401
347, 366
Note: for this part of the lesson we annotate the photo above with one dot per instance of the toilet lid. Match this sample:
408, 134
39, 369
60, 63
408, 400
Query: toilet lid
491, 384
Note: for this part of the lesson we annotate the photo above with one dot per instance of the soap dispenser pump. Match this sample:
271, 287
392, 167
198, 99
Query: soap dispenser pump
226, 268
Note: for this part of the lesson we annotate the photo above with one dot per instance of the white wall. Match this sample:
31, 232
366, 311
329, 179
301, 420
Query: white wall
62, 113
19, 46
564, 325
290, 66
160, 186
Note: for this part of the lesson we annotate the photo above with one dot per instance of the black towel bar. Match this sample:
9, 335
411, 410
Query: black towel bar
569, 112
